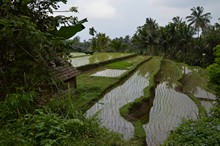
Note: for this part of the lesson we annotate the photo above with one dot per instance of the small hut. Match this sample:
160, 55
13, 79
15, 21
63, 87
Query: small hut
65, 72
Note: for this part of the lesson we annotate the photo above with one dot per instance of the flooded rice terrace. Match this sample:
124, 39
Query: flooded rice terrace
95, 58
194, 82
169, 108
109, 73
108, 107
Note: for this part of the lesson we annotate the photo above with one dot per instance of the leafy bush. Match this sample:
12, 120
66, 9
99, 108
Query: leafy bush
50, 129
204, 131
214, 71
17, 105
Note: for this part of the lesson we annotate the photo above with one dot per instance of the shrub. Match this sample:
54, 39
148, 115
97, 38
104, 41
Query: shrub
204, 131
50, 129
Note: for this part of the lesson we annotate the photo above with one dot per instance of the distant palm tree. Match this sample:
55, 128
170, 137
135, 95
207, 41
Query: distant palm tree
118, 45
198, 18
147, 36
100, 42
177, 20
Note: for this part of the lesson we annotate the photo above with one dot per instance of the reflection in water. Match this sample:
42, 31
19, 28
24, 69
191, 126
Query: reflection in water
168, 109
80, 61
201, 93
208, 105
111, 103
110, 73
76, 54
185, 70
95, 58
100, 58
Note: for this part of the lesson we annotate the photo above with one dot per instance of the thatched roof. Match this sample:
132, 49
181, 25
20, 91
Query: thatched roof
64, 71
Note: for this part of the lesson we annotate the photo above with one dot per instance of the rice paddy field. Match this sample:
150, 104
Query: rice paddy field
108, 107
78, 59
129, 79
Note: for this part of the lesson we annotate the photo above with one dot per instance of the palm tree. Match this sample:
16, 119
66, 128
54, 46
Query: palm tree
198, 18
147, 36
118, 45
100, 42
177, 20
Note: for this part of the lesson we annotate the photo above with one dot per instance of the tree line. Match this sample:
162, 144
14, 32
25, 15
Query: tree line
189, 40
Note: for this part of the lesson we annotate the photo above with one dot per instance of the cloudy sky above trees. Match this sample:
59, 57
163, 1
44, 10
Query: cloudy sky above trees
118, 18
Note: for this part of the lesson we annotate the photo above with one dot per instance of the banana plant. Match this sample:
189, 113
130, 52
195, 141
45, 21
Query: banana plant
69, 31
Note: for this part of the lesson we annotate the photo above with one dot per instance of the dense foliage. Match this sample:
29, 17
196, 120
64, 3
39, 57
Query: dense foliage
29, 41
50, 129
214, 71
204, 131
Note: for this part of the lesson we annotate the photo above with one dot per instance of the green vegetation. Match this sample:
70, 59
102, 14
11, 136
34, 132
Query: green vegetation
91, 89
140, 135
42, 128
214, 71
204, 131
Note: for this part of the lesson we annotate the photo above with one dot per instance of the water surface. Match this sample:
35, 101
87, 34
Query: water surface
169, 108
95, 58
108, 107
110, 73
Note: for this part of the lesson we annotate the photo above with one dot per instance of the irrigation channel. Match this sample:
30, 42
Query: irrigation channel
170, 106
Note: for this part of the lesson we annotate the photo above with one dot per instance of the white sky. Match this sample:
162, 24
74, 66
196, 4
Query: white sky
118, 18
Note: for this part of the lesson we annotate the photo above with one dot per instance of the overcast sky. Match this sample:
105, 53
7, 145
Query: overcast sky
118, 18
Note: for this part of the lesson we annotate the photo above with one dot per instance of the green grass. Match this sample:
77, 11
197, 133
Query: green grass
90, 89
139, 133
